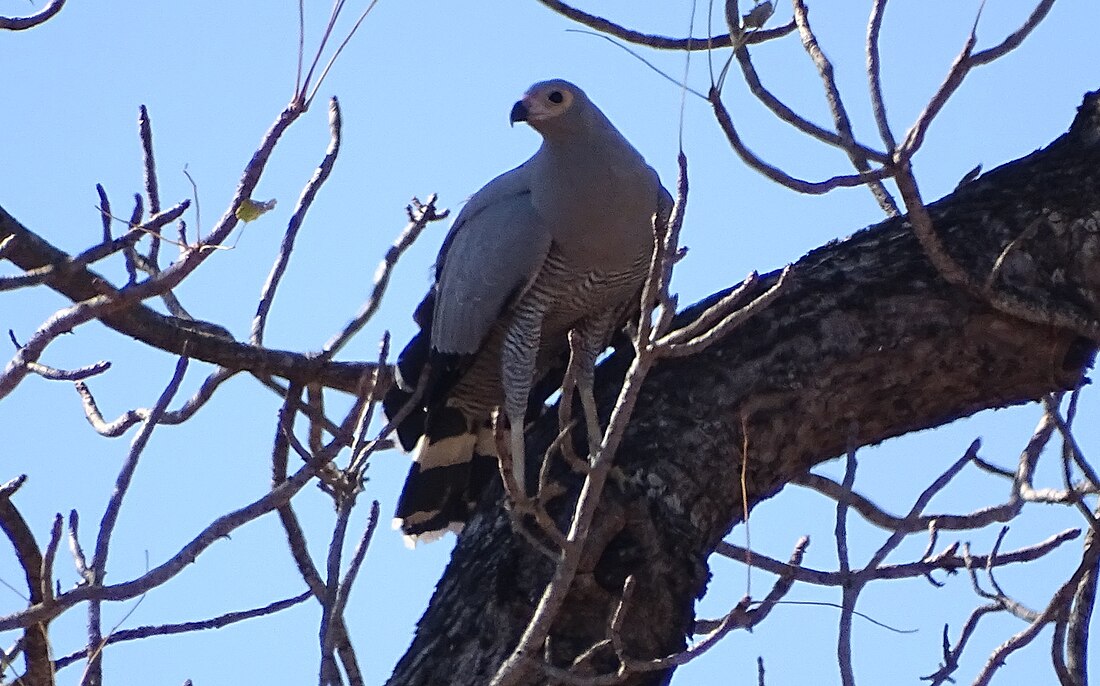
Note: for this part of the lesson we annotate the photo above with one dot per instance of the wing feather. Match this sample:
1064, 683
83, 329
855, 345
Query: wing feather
493, 250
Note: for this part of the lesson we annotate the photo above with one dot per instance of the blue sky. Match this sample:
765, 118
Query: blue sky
425, 89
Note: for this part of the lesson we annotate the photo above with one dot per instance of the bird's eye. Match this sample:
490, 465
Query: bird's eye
555, 97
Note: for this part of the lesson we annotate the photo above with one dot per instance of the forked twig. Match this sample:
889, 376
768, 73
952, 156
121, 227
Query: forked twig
305, 201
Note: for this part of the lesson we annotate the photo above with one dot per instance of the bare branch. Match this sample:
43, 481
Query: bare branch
875, 515
296, 540
330, 675
925, 231
356, 561
152, 191
129, 418
305, 201
76, 549
1079, 617
204, 341
662, 42
217, 530
36, 644
947, 560
962, 65
218, 622
874, 76
339, 48
836, 106
730, 320
108, 247
420, 215
778, 175
78, 374
1057, 604
23, 23
1013, 40
740, 617
951, 653
98, 567
785, 113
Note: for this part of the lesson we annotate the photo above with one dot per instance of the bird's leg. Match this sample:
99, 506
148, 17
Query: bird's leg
517, 369
584, 347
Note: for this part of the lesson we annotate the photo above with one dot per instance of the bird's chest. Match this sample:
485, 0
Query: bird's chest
600, 218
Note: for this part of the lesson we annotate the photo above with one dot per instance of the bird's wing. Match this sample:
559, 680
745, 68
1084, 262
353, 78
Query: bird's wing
496, 245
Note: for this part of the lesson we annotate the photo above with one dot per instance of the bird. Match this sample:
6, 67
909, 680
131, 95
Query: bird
558, 247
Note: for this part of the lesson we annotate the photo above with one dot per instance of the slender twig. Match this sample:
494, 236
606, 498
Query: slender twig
1060, 599
35, 639
129, 254
129, 418
216, 531
362, 412
301, 45
874, 76
1058, 651
50, 555
948, 560
1014, 39
740, 617
79, 559
849, 592
218, 622
330, 676
98, 567
962, 64
709, 317
339, 48
104, 211
921, 223
786, 114
1079, 616
152, 191
732, 318
882, 519
420, 215
305, 201
108, 247
296, 540
78, 374
778, 175
836, 106
333, 628
1076, 453
662, 42
951, 653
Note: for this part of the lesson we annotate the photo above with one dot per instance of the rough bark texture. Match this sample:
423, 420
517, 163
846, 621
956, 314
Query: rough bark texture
867, 336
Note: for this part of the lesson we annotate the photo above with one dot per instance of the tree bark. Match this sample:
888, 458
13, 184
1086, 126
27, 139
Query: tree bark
867, 342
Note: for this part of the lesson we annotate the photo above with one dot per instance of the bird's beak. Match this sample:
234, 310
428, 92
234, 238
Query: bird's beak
519, 113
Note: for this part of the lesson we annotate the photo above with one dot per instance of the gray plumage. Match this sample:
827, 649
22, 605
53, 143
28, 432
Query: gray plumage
561, 243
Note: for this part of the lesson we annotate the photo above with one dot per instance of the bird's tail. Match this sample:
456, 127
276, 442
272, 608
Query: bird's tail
453, 461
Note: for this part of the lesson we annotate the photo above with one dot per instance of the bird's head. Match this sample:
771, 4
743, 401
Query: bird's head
551, 106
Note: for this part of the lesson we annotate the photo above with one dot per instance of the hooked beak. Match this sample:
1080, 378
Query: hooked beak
519, 113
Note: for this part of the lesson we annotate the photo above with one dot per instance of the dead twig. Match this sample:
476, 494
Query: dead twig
24, 23
305, 201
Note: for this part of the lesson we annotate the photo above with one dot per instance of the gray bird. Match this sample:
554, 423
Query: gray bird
560, 244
